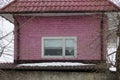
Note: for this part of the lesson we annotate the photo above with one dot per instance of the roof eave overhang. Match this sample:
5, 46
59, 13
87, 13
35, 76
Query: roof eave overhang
9, 15
29, 12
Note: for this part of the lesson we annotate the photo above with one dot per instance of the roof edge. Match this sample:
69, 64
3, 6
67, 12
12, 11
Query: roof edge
29, 12
117, 9
8, 4
114, 4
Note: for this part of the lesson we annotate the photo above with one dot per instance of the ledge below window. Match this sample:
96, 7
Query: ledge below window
25, 67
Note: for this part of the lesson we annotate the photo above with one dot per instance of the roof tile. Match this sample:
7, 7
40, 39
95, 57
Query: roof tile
59, 5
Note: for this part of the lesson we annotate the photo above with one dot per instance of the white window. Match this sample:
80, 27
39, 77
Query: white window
59, 47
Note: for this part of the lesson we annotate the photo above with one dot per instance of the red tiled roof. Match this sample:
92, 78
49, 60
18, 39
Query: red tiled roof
59, 6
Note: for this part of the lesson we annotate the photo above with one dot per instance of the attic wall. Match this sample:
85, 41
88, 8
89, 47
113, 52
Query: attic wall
86, 28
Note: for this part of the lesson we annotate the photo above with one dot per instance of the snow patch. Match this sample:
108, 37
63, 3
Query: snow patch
112, 68
54, 64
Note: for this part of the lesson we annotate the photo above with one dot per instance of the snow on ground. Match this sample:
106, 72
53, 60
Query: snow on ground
54, 64
112, 68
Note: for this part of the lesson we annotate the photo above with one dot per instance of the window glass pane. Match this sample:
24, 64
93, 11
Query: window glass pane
69, 47
53, 47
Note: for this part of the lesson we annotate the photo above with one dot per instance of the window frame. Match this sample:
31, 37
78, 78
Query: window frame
63, 47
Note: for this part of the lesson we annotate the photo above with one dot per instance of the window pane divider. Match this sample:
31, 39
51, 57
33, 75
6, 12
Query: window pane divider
64, 47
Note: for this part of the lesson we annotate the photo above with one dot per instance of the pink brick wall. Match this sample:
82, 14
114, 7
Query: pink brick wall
85, 28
